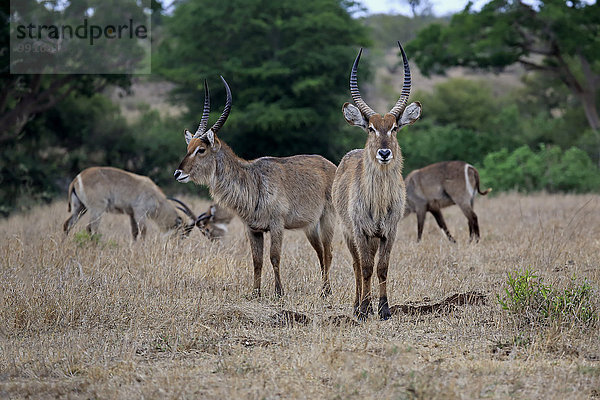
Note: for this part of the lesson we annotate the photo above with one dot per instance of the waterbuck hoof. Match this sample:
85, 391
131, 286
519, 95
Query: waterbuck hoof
451, 239
364, 310
255, 294
362, 316
384, 309
278, 292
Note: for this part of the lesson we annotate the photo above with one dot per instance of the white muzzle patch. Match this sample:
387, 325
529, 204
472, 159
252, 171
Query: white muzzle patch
181, 176
384, 156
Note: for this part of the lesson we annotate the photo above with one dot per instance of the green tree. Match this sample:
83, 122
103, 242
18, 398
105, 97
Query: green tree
556, 38
24, 96
287, 62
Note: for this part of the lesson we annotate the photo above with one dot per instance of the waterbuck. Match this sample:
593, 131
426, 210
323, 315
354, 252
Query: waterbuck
269, 194
106, 189
368, 190
440, 185
213, 223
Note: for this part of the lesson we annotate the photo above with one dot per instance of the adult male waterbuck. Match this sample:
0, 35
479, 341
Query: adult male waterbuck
269, 194
106, 189
213, 223
368, 190
440, 185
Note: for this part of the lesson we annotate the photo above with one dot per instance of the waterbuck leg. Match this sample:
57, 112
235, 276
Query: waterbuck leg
72, 220
138, 217
327, 223
314, 238
357, 272
276, 241
420, 223
256, 240
92, 226
439, 218
473, 223
368, 247
134, 226
385, 248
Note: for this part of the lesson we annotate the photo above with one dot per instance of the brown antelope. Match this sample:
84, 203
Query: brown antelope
441, 185
107, 189
213, 223
368, 190
269, 194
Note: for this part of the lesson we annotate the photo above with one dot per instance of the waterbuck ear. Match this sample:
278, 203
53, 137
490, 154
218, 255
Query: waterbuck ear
411, 113
188, 136
210, 136
353, 116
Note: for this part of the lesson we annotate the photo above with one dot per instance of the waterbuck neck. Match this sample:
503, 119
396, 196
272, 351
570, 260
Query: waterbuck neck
233, 183
382, 185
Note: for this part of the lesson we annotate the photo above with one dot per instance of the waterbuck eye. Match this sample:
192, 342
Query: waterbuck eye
201, 150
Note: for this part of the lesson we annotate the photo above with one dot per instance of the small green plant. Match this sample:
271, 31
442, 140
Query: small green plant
84, 238
527, 297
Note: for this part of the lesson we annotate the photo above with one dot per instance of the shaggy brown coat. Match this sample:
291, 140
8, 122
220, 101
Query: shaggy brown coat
106, 189
440, 185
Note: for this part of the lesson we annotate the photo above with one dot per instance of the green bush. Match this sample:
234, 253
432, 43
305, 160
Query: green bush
427, 144
550, 169
531, 301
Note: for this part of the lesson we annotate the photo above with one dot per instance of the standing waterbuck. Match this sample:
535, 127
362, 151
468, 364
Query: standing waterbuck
441, 185
269, 194
107, 189
368, 190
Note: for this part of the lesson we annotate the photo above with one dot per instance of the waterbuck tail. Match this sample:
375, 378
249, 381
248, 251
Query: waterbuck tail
477, 183
71, 191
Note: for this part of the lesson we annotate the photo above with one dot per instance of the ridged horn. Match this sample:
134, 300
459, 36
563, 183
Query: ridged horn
184, 208
221, 121
397, 110
355, 93
205, 112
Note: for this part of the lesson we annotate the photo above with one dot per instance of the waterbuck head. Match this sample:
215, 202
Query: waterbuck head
382, 144
199, 163
183, 213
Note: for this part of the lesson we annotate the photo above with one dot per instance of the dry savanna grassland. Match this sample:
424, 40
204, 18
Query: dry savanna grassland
106, 317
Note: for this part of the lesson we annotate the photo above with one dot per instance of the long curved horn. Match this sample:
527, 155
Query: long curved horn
219, 124
205, 112
397, 110
355, 93
184, 208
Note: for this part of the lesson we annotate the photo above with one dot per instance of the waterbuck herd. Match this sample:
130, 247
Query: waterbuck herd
366, 191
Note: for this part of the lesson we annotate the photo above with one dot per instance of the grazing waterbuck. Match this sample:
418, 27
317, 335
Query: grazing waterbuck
106, 189
368, 190
213, 223
269, 194
440, 185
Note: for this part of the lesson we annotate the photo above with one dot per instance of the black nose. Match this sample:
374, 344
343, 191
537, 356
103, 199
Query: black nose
177, 173
384, 153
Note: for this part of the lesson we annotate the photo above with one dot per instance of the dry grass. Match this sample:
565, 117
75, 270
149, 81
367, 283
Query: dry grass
169, 319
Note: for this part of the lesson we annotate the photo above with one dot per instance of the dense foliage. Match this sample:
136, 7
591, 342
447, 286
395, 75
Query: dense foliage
558, 39
287, 63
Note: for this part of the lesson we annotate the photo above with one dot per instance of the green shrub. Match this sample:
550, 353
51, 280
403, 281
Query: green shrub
531, 301
84, 238
550, 169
